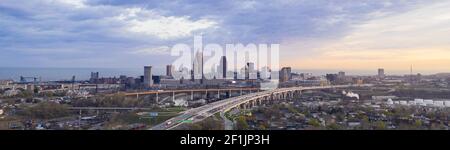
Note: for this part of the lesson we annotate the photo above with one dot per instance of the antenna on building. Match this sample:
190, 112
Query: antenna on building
411, 70
411, 74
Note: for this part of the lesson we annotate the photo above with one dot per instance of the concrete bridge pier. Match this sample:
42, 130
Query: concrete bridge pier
218, 94
266, 99
297, 94
173, 96
258, 101
242, 106
252, 103
278, 96
290, 95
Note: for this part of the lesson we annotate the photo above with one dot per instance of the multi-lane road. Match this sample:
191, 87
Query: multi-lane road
205, 111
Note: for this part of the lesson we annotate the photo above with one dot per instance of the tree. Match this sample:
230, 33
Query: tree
262, 127
211, 124
334, 126
36, 90
365, 123
116, 100
314, 122
25, 94
418, 124
46, 110
292, 109
241, 123
340, 116
380, 125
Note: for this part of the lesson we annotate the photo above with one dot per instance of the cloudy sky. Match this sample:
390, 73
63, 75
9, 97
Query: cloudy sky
314, 34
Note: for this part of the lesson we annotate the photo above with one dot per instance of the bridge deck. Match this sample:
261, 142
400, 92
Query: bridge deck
191, 90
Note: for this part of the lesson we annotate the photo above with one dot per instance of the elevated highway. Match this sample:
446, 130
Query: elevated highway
244, 101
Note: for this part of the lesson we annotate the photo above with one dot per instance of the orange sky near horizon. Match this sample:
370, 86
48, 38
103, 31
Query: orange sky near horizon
418, 37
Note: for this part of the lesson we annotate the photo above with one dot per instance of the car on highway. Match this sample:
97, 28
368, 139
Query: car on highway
168, 123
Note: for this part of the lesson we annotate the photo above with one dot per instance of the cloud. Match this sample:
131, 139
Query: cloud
74, 3
394, 40
424, 27
80, 30
147, 22
160, 50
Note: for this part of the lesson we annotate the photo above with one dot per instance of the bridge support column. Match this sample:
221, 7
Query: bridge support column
157, 98
192, 95
173, 96
137, 96
218, 94
206, 94
241, 92
266, 100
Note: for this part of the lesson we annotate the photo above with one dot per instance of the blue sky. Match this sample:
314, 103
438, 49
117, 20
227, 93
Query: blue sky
134, 33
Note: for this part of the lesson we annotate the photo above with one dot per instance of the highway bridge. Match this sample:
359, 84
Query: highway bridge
244, 101
109, 108
192, 91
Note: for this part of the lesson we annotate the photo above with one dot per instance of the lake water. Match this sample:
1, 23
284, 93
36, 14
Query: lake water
52, 74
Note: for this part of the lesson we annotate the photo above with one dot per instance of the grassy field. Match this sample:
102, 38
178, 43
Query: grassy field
132, 117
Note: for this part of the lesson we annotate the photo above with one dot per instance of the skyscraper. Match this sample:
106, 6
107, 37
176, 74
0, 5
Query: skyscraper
198, 65
381, 73
169, 70
94, 77
285, 74
222, 69
250, 71
341, 74
148, 81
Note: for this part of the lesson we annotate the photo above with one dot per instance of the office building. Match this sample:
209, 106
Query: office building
333, 78
198, 65
169, 70
381, 73
94, 77
148, 81
222, 68
285, 74
250, 72
341, 74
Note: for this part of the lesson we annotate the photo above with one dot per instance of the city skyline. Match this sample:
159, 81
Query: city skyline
323, 35
49, 74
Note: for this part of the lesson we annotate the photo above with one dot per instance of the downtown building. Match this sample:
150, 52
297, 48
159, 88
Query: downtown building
148, 79
285, 74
